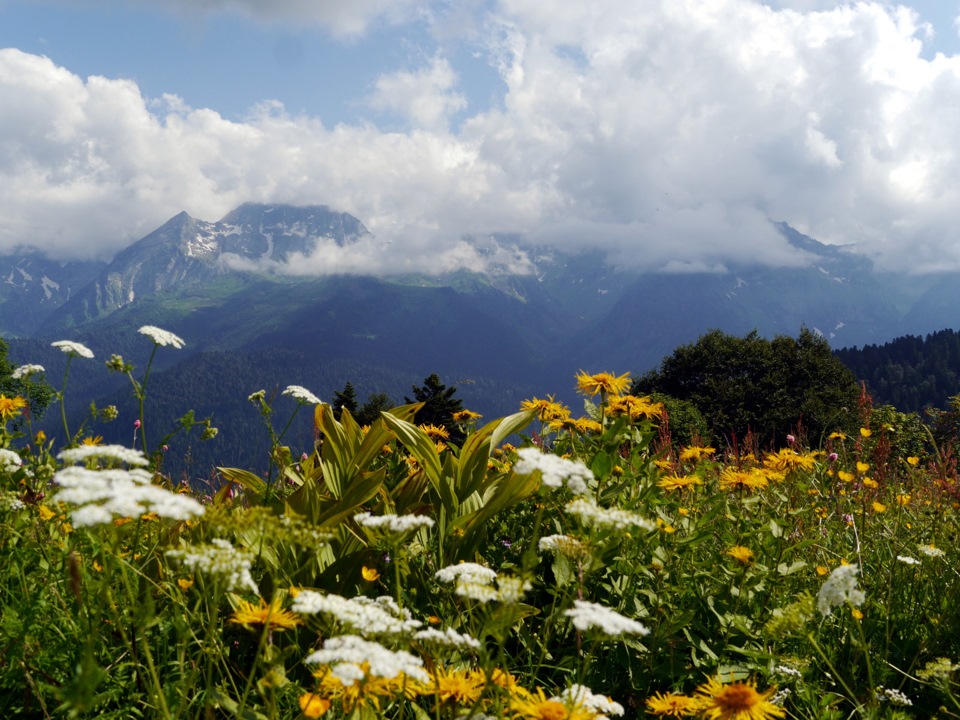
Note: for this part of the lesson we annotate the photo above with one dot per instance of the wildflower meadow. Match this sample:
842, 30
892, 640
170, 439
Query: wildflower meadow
558, 564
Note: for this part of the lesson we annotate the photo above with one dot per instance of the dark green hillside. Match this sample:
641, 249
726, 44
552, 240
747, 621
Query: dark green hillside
912, 372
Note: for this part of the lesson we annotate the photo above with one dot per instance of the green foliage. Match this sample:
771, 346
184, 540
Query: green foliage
439, 406
37, 392
754, 385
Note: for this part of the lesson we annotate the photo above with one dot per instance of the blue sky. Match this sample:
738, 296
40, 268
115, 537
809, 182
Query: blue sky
666, 132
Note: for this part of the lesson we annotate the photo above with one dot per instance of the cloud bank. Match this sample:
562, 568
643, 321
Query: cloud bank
667, 136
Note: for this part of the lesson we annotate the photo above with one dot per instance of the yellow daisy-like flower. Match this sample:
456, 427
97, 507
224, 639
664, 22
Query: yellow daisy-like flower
671, 705
879, 507
272, 615
870, 483
635, 408
913, 460
862, 467
903, 500
586, 425
465, 416
856, 614
678, 482
733, 479
95, 440
736, 701
837, 436
741, 554
369, 574
547, 409
602, 383
435, 432
457, 687
46, 513
11, 406
865, 432
313, 706
845, 476
536, 706
696, 453
185, 584
786, 460
821, 570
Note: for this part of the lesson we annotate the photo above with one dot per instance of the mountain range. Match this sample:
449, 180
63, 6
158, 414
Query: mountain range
498, 337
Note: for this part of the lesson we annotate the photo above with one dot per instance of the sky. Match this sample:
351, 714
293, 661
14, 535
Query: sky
667, 133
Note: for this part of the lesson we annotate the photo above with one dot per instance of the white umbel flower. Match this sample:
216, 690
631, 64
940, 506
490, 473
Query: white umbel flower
380, 617
221, 560
302, 395
590, 616
107, 452
9, 460
446, 638
25, 371
580, 696
840, 588
555, 471
592, 515
73, 348
931, 550
161, 337
348, 655
393, 524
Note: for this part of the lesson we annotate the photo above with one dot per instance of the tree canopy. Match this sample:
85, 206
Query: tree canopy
439, 406
37, 393
767, 387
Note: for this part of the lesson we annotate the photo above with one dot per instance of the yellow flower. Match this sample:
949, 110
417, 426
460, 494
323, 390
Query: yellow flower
671, 705
547, 410
11, 406
536, 706
733, 479
663, 525
602, 383
786, 460
434, 620
870, 483
95, 440
696, 453
736, 701
635, 408
40, 437
313, 706
879, 507
856, 614
435, 432
459, 687
865, 432
837, 436
862, 467
845, 476
913, 460
185, 584
46, 513
369, 574
465, 416
821, 570
273, 615
741, 554
903, 500
676, 482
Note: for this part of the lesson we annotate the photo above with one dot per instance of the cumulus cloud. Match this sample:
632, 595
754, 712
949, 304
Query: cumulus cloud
667, 136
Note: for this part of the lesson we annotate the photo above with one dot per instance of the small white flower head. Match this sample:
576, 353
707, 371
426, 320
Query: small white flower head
894, 697
25, 371
582, 697
368, 617
302, 395
220, 560
161, 337
590, 616
555, 471
787, 671
931, 550
476, 582
907, 560
393, 524
348, 655
102, 495
840, 588
592, 515
9, 460
448, 638
73, 349
105, 452
563, 545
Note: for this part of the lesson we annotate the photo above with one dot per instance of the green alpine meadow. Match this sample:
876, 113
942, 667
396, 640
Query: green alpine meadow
553, 564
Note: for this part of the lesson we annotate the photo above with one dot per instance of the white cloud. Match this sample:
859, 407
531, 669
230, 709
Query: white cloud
666, 135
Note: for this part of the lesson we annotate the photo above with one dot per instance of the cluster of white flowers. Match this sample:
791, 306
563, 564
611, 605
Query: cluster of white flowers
894, 697
587, 616
592, 515
367, 616
102, 495
25, 371
73, 348
9, 460
907, 560
302, 395
222, 560
107, 452
840, 588
476, 582
446, 638
788, 671
555, 471
11, 501
394, 524
162, 337
780, 696
348, 655
562, 545
580, 696
931, 550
